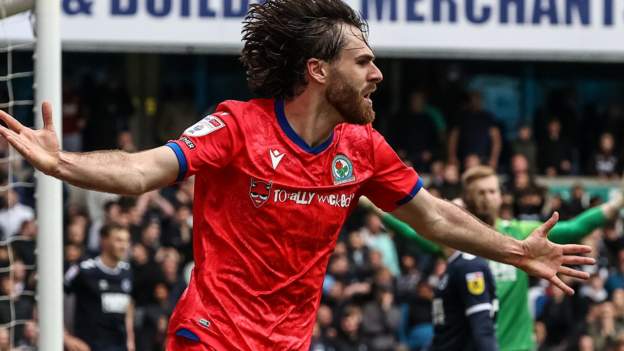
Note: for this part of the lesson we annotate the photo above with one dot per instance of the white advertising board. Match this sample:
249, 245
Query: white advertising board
532, 29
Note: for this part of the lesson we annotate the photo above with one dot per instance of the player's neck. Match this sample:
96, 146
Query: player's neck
311, 117
109, 261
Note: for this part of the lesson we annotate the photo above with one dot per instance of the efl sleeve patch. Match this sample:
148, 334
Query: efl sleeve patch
476, 283
207, 125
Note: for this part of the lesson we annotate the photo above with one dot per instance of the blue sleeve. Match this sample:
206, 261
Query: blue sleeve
482, 330
475, 290
478, 297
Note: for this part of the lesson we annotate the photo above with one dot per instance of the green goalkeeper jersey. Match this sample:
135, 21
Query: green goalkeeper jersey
514, 324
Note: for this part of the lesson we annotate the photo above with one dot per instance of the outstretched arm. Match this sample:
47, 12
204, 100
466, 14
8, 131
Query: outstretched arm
110, 171
441, 221
402, 228
577, 228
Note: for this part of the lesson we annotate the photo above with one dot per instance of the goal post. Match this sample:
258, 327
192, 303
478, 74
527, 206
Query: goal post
49, 190
13, 7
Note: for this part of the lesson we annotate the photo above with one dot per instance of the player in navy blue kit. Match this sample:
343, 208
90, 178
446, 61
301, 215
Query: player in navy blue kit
465, 305
102, 285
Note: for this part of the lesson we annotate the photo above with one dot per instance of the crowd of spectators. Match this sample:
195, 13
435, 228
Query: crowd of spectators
379, 286
569, 143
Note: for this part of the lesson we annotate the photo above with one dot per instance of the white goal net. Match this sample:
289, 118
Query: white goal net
18, 310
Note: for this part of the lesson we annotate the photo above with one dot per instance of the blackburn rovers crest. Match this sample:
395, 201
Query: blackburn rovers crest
342, 170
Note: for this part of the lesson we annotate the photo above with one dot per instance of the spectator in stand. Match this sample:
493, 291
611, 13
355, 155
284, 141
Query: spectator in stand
436, 178
319, 341
325, 322
613, 241
577, 203
170, 266
338, 277
617, 297
17, 305
349, 334
178, 232
529, 197
146, 274
520, 164
417, 327
605, 163
13, 214
475, 133
614, 116
616, 275
24, 248
31, 334
526, 146
125, 141
76, 231
409, 279
555, 151
586, 343
5, 339
380, 320
604, 328
422, 132
529, 203
451, 187
150, 235
595, 291
155, 318
359, 256
379, 240
72, 255
73, 117
558, 318
471, 161
113, 215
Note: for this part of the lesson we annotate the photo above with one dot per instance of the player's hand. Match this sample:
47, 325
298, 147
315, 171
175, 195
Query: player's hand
39, 147
545, 259
72, 343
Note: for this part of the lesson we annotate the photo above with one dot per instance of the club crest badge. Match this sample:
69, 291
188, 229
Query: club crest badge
259, 192
476, 283
342, 170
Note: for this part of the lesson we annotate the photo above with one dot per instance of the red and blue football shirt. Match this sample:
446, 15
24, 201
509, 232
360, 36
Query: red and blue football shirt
268, 210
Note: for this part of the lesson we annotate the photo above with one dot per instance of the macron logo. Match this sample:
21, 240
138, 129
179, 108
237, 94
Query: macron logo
276, 158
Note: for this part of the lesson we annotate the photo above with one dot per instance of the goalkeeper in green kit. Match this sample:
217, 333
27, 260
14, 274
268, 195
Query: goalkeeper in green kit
482, 197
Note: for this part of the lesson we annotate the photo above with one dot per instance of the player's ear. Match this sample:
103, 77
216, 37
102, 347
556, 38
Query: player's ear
318, 70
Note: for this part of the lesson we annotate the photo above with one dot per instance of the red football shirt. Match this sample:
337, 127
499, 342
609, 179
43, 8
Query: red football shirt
268, 210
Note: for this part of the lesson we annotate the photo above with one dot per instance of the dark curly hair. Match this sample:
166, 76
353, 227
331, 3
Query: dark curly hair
280, 36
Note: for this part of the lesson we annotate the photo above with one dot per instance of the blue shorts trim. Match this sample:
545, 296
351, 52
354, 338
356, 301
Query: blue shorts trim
185, 333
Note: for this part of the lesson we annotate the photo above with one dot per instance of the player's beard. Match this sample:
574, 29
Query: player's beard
487, 216
348, 101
